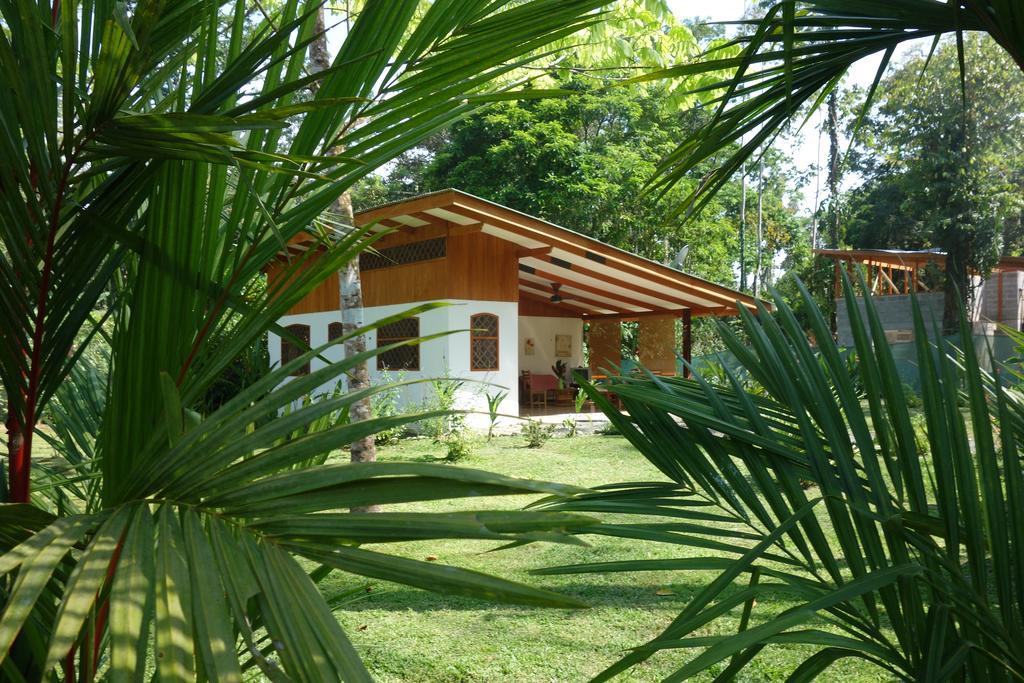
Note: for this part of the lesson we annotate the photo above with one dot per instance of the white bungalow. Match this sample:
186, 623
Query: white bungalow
525, 292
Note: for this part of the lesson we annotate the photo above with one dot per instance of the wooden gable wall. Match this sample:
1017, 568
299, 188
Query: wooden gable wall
477, 266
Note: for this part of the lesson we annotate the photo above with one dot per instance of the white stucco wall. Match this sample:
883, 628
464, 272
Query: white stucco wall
448, 355
543, 330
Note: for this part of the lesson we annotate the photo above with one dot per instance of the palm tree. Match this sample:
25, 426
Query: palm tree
159, 156
894, 540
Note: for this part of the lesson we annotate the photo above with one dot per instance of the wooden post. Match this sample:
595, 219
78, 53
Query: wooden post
687, 339
999, 299
837, 281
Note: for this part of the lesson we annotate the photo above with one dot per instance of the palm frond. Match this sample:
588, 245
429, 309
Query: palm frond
911, 561
159, 156
798, 53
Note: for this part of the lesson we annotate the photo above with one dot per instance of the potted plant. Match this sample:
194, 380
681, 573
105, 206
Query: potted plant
564, 393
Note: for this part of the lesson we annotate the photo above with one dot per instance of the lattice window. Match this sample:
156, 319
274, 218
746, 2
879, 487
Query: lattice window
290, 351
402, 357
483, 341
335, 331
413, 252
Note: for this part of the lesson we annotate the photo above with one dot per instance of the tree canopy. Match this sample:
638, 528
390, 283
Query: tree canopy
941, 158
583, 161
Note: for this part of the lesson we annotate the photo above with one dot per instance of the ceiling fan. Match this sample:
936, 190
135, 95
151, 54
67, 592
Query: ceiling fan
556, 296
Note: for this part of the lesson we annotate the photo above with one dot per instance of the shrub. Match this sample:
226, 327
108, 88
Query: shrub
443, 394
537, 433
570, 427
385, 404
458, 446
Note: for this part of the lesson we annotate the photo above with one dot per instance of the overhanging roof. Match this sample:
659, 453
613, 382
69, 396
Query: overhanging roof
903, 259
596, 279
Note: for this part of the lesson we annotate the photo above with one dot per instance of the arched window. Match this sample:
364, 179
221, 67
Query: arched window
290, 351
402, 357
335, 331
483, 340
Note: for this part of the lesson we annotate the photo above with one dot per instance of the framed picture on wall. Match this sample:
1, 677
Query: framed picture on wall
563, 345
529, 348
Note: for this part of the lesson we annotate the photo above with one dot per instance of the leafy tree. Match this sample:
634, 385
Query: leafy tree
943, 171
583, 161
798, 53
145, 158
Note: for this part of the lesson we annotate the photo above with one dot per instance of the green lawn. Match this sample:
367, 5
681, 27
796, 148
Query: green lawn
411, 635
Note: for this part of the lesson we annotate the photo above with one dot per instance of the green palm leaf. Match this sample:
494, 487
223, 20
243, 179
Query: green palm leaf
156, 158
909, 561
795, 55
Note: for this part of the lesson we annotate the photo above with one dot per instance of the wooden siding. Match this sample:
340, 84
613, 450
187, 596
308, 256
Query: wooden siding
482, 267
404, 284
478, 267
325, 297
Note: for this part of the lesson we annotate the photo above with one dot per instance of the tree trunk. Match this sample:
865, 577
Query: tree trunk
17, 463
760, 229
957, 291
833, 171
351, 292
832, 124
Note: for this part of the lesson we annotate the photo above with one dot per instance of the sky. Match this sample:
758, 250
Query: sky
808, 151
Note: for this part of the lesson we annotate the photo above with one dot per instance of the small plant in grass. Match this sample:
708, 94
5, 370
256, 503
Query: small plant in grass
458, 446
911, 397
537, 433
570, 427
493, 402
385, 404
443, 393
580, 400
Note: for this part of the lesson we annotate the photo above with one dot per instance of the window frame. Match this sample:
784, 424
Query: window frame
475, 336
304, 332
385, 341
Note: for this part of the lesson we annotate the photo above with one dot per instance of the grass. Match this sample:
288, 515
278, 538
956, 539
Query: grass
413, 636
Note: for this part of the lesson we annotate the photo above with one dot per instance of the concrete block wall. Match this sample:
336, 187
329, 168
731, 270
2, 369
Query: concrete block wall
896, 312
1013, 283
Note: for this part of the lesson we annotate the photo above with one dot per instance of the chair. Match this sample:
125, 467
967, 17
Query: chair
536, 395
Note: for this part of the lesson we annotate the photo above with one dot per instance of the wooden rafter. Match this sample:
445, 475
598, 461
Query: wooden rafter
429, 220
678, 312
581, 246
560, 266
532, 296
621, 300
573, 296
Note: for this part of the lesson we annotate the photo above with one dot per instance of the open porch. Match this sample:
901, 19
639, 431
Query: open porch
568, 294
